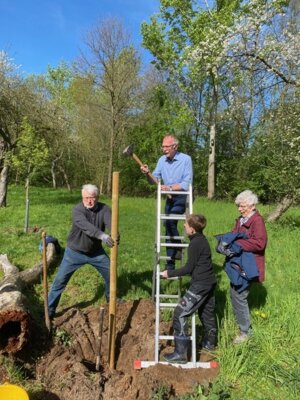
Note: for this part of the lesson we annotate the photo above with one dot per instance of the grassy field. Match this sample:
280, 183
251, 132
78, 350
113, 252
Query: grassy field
266, 367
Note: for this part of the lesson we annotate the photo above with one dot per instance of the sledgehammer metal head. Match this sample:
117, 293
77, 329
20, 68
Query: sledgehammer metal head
128, 151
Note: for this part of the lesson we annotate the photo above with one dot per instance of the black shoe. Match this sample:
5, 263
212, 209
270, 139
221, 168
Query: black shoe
175, 358
178, 255
207, 345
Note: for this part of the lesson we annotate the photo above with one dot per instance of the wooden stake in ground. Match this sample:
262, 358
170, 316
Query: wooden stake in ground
113, 270
45, 282
99, 342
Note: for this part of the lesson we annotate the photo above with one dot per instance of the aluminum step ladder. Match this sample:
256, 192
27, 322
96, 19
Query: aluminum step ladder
163, 301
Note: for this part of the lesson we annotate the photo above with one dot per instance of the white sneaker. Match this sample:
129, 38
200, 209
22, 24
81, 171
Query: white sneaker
242, 337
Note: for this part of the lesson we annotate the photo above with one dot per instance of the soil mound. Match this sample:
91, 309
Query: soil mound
67, 370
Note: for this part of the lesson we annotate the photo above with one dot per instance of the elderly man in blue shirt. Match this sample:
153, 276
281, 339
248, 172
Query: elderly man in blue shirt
176, 171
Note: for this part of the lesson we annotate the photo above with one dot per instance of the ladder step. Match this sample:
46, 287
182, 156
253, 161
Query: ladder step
168, 296
174, 192
164, 258
168, 305
165, 337
179, 245
174, 278
170, 337
173, 237
173, 216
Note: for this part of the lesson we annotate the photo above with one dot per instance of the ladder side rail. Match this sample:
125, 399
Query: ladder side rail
157, 314
190, 199
193, 324
193, 339
158, 213
157, 280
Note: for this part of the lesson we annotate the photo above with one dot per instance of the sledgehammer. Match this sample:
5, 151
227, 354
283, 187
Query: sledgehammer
129, 152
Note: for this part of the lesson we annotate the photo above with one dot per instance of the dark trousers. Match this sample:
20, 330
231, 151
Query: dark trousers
174, 205
191, 302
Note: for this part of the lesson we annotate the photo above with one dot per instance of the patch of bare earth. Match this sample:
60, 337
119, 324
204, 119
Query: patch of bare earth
67, 370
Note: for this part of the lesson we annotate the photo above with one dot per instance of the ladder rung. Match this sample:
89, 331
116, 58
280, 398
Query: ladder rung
168, 305
173, 216
165, 337
168, 296
170, 337
173, 237
179, 245
174, 192
174, 278
164, 258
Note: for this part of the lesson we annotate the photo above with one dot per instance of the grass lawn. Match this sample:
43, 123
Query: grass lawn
266, 367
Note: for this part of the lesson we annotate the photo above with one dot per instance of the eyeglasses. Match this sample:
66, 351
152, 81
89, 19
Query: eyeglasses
167, 146
243, 206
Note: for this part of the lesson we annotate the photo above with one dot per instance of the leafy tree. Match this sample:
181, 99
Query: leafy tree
275, 155
15, 102
53, 120
30, 157
172, 36
260, 49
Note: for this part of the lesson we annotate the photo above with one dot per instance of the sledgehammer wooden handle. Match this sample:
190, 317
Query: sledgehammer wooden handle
151, 177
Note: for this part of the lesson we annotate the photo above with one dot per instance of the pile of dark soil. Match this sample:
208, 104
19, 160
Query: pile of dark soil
66, 369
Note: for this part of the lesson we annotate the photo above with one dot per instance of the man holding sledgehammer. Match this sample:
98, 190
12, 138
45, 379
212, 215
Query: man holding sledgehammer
176, 171
90, 219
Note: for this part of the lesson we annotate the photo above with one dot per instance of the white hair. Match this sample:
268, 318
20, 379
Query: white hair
175, 139
247, 197
92, 189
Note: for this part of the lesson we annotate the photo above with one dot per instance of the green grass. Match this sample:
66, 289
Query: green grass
266, 367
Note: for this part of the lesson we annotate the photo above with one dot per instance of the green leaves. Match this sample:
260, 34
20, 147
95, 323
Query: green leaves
31, 153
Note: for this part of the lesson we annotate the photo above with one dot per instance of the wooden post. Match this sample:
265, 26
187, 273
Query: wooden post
45, 282
99, 341
113, 270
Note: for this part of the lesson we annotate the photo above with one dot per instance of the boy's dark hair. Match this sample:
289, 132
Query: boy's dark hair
196, 221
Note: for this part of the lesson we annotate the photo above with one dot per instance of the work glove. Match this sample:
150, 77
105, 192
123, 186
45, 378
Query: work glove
107, 240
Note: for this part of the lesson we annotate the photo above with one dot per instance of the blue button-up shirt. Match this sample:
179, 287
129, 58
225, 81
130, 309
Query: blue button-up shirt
178, 170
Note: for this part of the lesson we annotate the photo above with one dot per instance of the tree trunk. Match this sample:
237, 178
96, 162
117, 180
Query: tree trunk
14, 313
3, 185
211, 179
282, 206
62, 170
53, 174
211, 162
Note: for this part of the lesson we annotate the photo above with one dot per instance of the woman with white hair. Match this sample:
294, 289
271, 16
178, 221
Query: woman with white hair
250, 223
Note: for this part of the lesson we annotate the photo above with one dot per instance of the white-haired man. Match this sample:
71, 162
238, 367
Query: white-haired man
90, 219
176, 171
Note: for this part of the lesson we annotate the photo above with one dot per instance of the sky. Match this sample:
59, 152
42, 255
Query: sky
38, 33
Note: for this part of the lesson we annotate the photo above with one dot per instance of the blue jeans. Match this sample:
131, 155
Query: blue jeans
71, 262
175, 205
241, 308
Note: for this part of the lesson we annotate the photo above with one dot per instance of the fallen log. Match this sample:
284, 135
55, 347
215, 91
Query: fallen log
14, 312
